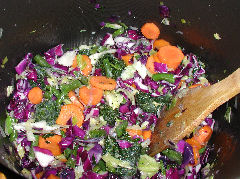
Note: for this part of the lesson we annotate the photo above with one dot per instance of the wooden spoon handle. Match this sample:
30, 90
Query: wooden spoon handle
191, 110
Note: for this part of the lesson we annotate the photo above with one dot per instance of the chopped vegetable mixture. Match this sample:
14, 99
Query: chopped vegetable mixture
90, 112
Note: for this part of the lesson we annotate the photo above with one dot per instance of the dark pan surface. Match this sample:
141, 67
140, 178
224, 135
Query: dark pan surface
35, 26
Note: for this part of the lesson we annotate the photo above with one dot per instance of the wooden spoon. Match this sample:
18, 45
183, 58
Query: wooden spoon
191, 110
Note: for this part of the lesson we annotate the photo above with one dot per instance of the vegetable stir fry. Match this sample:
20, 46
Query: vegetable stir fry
90, 112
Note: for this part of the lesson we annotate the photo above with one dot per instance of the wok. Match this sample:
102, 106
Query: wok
35, 26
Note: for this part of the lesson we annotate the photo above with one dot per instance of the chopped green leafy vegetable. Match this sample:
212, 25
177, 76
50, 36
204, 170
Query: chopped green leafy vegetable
48, 111
109, 114
148, 166
111, 66
152, 104
173, 155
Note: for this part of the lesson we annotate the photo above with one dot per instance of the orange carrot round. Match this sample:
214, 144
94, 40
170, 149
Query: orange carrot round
194, 143
39, 175
90, 96
51, 176
72, 96
171, 56
147, 134
103, 82
75, 64
69, 111
133, 132
88, 68
156, 59
126, 58
35, 95
157, 44
150, 31
150, 65
51, 143
203, 135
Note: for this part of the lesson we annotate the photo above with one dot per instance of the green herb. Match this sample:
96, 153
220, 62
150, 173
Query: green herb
202, 150
32, 31
4, 61
121, 128
112, 26
183, 21
9, 124
173, 155
109, 114
130, 155
97, 133
83, 30
111, 66
217, 36
71, 163
164, 76
35, 143
118, 32
67, 152
63, 134
152, 104
227, 114
162, 167
47, 110
99, 167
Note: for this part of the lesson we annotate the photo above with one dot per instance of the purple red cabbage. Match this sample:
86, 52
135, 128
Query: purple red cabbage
96, 151
23, 64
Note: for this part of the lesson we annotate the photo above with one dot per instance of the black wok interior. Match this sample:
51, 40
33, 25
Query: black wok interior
35, 26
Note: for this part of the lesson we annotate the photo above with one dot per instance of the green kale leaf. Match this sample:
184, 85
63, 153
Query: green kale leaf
110, 66
47, 110
152, 104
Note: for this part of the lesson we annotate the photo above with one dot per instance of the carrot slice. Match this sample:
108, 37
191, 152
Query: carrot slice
150, 31
2, 176
147, 134
150, 65
126, 59
171, 56
39, 175
75, 64
88, 68
51, 176
155, 56
133, 132
160, 43
51, 143
203, 135
194, 143
103, 82
90, 96
69, 111
35, 95
196, 156
72, 96
195, 85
